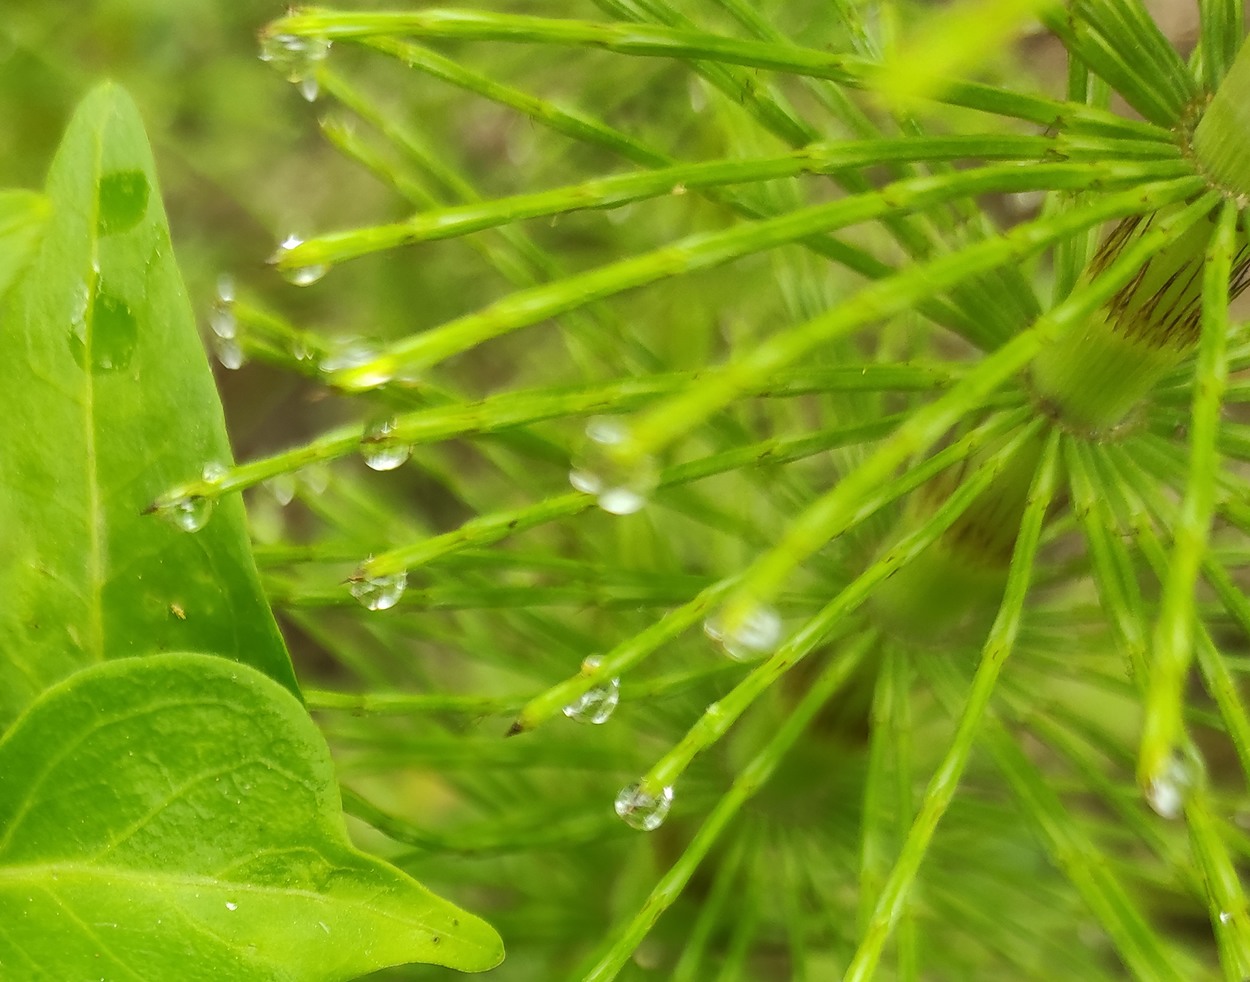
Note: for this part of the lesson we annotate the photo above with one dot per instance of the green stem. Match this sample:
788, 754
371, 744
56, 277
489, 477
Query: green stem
649, 40
1173, 631
945, 780
720, 716
744, 787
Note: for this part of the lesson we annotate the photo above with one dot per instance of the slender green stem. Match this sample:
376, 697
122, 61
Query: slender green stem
709, 250
1227, 902
649, 40
623, 189
924, 427
495, 526
945, 780
1118, 590
1070, 848
744, 787
1173, 631
721, 715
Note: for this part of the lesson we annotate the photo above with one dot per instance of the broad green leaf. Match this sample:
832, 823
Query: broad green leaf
175, 817
106, 399
22, 214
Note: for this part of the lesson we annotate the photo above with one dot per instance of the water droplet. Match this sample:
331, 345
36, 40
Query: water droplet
230, 906
620, 489
114, 333
294, 56
223, 322
380, 592
378, 453
315, 477
595, 705
190, 514
214, 472
282, 487
1225, 917
1169, 789
758, 633
230, 354
643, 811
309, 88
346, 353
123, 201
225, 288
305, 275
300, 275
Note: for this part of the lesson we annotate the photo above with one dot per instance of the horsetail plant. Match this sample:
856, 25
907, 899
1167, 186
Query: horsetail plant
919, 393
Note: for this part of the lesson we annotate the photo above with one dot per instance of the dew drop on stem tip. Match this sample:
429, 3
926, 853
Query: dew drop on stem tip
379, 592
380, 454
299, 275
297, 59
1169, 789
643, 811
595, 705
620, 488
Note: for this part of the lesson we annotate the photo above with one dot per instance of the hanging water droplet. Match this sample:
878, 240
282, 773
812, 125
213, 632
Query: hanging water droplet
225, 288
294, 56
380, 592
305, 275
309, 88
758, 633
597, 704
230, 354
378, 453
315, 477
282, 487
585, 481
190, 514
620, 489
347, 354
223, 322
641, 810
1168, 790
214, 472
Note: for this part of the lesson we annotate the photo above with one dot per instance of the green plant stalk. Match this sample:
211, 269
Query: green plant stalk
1173, 630
649, 40
1215, 667
1089, 871
709, 250
1222, 26
720, 716
904, 813
688, 964
770, 113
1118, 593
744, 787
618, 190
1218, 143
511, 410
1127, 806
510, 250
875, 828
499, 525
928, 423
945, 780
663, 424
581, 127
1229, 918
630, 652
